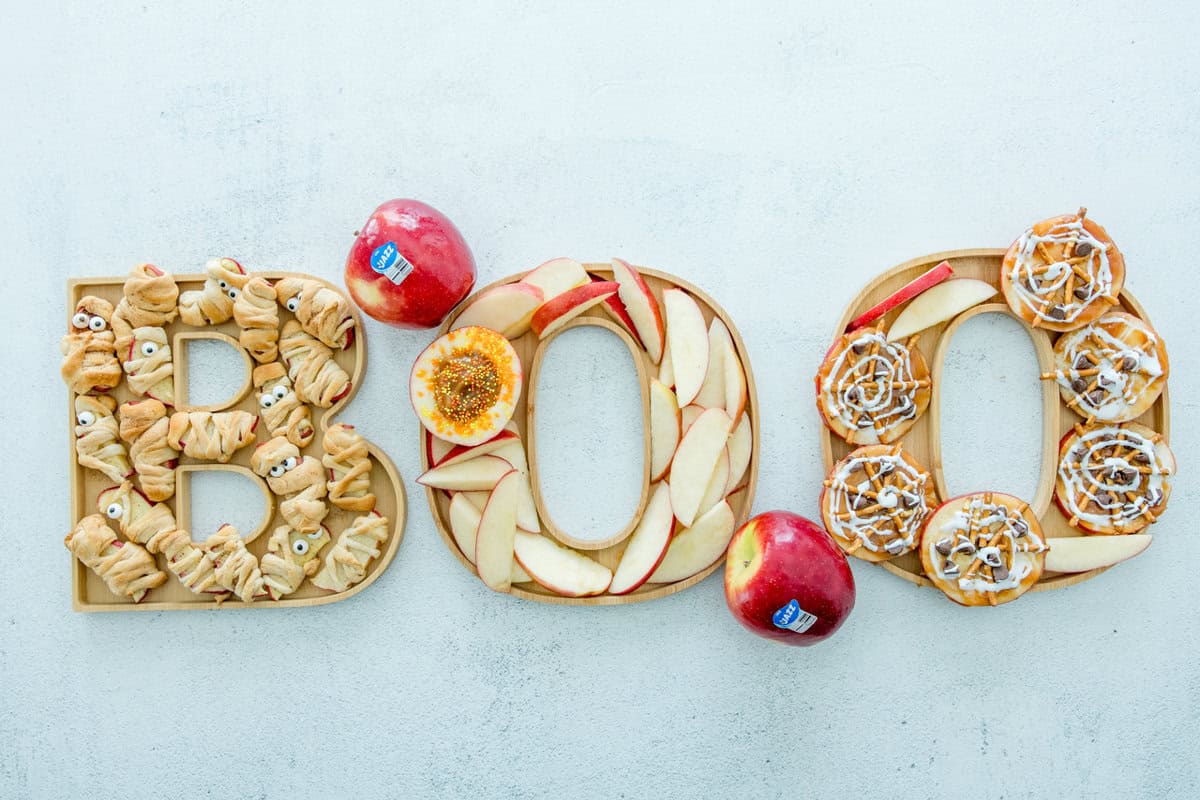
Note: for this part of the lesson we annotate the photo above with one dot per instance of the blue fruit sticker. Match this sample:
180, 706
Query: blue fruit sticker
793, 618
389, 262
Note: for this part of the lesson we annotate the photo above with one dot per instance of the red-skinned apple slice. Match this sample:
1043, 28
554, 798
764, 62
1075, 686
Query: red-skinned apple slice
687, 337
556, 276
666, 370
464, 524
647, 545
478, 474
712, 390
436, 448
736, 391
496, 532
616, 310
714, 492
527, 517
477, 499
692, 549
560, 569
643, 309
695, 460
740, 446
507, 308
665, 430
1083, 553
902, 295
938, 304
463, 452
553, 314
687, 415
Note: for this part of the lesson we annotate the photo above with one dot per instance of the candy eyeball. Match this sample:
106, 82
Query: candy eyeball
280, 392
277, 470
149, 348
299, 547
316, 534
80, 320
97, 323
85, 418
223, 285
266, 400
293, 304
114, 510
233, 293
290, 462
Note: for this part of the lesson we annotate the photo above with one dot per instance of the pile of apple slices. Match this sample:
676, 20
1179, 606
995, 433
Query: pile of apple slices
701, 440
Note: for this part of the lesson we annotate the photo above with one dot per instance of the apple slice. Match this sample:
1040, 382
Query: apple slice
507, 309
687, 415
477, 499
695, 460
1083, 553
436, 448
560, 569
692, 549
740, 446
712, 391
736, 391
478, 474
464, 524
902, 295
666, 370
556, 276
714, 492
527, 517
938, 304
641, 306
497, 528
687, 337
466, 452
648, 543
555, 313
665, 429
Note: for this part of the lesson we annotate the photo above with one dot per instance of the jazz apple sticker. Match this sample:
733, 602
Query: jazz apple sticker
389, 262
793, 618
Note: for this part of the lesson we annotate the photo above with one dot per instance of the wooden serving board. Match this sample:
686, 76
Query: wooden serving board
923, 440
89, 592
530, 350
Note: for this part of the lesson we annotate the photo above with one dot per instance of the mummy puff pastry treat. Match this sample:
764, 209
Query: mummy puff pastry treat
1113, 370
349, 464
213, 304
144, 427
211, 436
279, 407
236, 568
353, 552
321, 311
870, 390
299, 480
149, 301
291, 557
1113, 479
127, 569
89, 350
876, 501
149, 367
96, 444
1062, 273
317, 377
258, 315
983, 549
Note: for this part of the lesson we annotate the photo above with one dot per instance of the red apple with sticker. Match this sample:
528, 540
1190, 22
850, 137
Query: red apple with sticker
409, 265
787, 580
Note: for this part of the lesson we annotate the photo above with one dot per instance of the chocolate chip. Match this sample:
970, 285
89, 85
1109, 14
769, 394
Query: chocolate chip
1154, 497
1104, 499
886, 468
1104, 380
1079, 385
1083, 248
1031, 284
1021, 527
853, 393
1083, 362
992, 558
1095, 397
1079, 454
1129, 363
1057, 312
1141, 458
950, 569
1081, 292
894, 546
910, 500
860, 501
1000, 573
860, 347
944, 546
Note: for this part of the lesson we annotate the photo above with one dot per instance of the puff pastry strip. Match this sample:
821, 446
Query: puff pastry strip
149, 367
291, 557
144, 426
279, 407
213, 304
191, 565
349, 464
236, 567
356, 546
96, 444
149, 301
209, 435
299, 480
89, 349
323, 312
258, 315
317, 377
127, 569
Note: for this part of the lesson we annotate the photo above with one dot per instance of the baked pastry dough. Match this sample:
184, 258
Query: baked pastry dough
149, 366
144, 427
349, 464
983, 549
300, 480
236, 567
356, 546
89, 349
1113, 478
876, 501
149, 301
127, 569
187, 561
256, 312
1062, 273
322, 311
279, 406
317, 377
291, 557
209, 435
96, 444
870, 390
213, 304
1112, 370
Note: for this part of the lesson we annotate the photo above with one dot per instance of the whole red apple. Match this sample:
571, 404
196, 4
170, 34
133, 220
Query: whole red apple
409, 265
786, 579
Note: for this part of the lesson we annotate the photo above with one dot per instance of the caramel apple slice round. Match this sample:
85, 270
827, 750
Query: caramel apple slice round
464, 387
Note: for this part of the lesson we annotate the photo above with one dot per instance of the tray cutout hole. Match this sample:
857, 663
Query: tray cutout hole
590, 436
217, 371
991, 425
219, 494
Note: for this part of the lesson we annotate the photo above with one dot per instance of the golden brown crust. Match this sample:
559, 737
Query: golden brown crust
149, 366
213, 304
236, 568
280, 407
96, 444
89, 349
300, 480
144, 427
291, 557
258, 315
323, 312
353, 552
317, 377
149, 301
209, 435
127, 569
349, 464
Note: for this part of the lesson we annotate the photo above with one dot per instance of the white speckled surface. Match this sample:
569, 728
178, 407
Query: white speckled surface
776, 154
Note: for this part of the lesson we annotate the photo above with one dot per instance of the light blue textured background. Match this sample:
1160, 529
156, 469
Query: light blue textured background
776, 154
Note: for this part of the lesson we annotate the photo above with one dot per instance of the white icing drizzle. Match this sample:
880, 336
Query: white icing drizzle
1120, 389
969, 533
890, 519
1091, 492
1050, 283
863, 393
